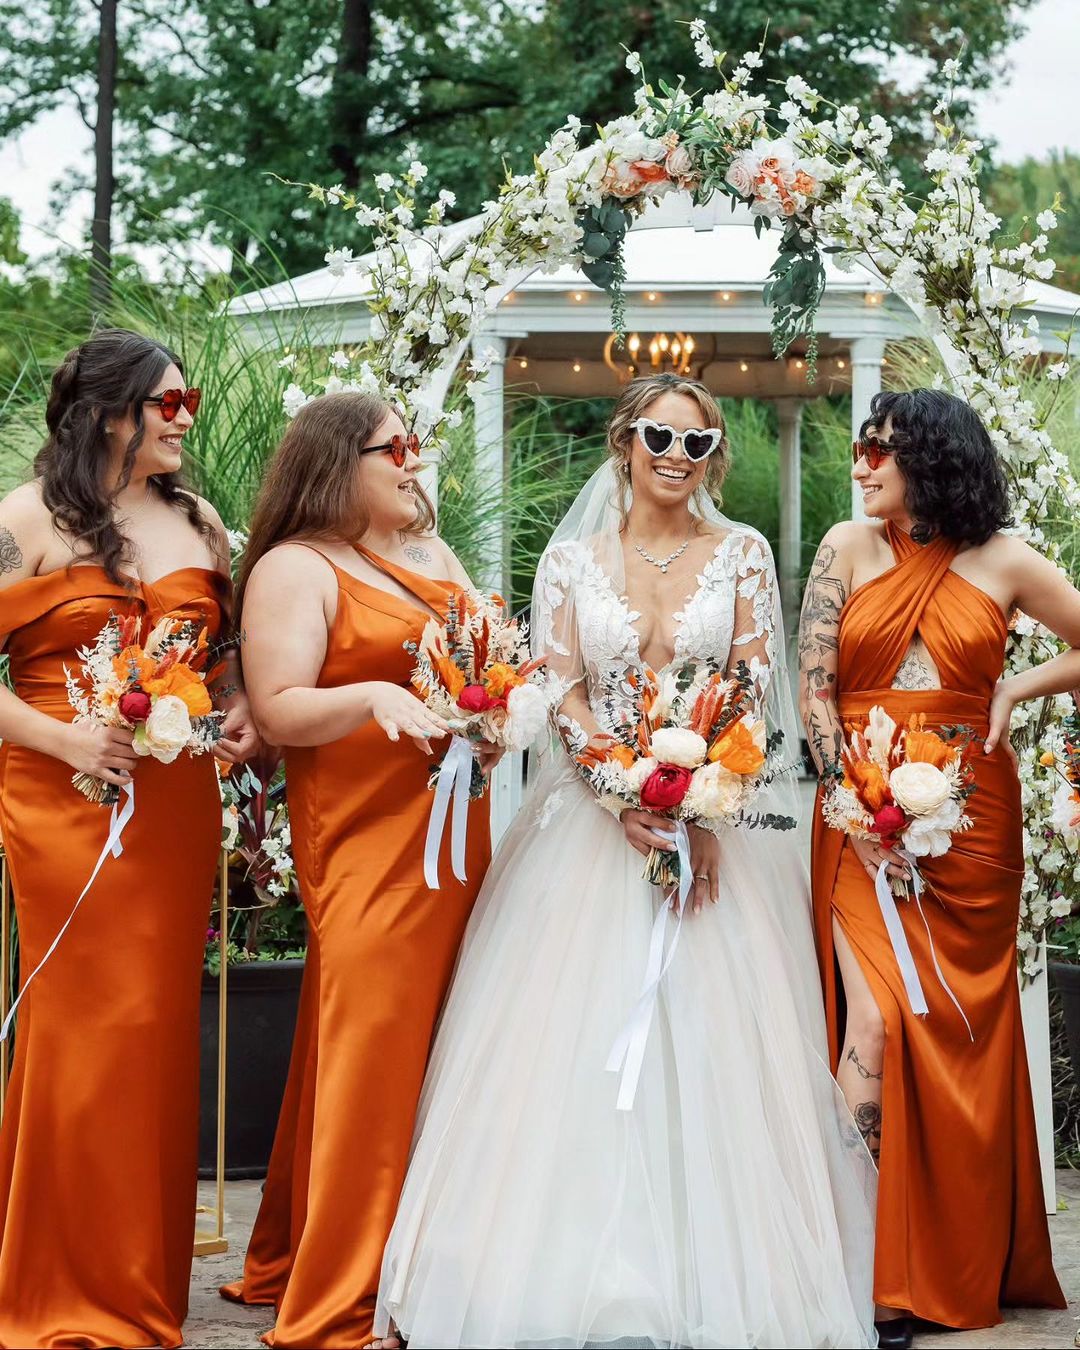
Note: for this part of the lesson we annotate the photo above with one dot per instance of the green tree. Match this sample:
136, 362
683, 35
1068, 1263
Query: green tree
212, 97
1018, 192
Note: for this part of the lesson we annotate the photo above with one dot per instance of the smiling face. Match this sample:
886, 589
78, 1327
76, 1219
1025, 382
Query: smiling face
160, 450
387, 490
671, 479
884, 489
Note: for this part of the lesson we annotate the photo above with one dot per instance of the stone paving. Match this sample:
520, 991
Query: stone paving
213, 1323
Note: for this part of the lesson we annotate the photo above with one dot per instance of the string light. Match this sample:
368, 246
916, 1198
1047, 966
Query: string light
725, 295
743, 367
873, 297
651, 295
523, 363
579, 296
841, 364
577, 367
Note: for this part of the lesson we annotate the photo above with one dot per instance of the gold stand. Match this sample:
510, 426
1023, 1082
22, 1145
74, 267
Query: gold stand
210, 1242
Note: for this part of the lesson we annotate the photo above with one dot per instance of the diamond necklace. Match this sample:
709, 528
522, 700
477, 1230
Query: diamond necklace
662, 563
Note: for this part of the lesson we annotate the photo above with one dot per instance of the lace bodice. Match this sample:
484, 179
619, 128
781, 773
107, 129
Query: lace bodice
587, 631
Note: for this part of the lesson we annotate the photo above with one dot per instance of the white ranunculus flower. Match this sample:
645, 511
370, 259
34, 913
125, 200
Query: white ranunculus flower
931, 835
166, 731
919, 789
638, 774
678, 745
528, 710
714, 792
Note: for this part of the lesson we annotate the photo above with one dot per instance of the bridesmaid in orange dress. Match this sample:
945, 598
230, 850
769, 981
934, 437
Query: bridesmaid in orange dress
98, 1150
342, 569
908, 610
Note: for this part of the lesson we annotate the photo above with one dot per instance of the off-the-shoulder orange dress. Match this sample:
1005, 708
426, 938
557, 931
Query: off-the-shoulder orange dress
961, 1226
381, 952
98, 1150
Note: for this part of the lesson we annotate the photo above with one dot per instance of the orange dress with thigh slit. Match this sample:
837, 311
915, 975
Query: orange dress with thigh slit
381, 952
98, 1150
961, 1227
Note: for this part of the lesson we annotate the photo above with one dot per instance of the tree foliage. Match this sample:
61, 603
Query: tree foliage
214, 97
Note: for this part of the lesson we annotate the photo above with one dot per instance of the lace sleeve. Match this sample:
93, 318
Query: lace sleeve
556, 639
754, 631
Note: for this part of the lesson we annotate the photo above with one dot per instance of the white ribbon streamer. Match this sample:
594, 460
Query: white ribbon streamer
454, 778
628, 1052
898, 937
113, 847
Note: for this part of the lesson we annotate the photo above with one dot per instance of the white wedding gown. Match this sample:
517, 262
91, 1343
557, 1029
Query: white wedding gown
733, 1205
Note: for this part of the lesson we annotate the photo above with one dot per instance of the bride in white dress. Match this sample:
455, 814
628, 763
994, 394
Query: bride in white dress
732, 1205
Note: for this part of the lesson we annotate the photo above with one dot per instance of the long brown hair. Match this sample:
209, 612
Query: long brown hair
634, 402
312, 489
111, 373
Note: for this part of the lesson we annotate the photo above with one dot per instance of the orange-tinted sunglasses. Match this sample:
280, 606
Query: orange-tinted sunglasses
872, 450
172, 400
397, 447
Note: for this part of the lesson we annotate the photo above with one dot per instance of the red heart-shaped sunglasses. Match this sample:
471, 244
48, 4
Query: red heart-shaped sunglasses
170, 401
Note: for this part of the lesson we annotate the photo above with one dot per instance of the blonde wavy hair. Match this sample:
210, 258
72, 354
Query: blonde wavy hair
634, 402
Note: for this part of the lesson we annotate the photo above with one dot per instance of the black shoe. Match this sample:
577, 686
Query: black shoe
895, 1334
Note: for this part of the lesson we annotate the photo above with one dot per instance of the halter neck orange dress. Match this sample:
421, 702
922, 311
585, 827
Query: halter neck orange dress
98, 1150
381, 950
961, 1227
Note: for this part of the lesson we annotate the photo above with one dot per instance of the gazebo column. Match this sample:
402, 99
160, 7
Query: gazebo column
490, 424
866, 356
789, 564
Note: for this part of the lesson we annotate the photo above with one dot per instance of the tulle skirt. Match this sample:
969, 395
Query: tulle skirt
732, 1206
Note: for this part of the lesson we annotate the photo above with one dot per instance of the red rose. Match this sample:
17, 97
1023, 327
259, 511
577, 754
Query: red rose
888, 823
665, 787
135, 705
474, 698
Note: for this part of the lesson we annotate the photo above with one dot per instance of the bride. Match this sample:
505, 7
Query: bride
733, 1203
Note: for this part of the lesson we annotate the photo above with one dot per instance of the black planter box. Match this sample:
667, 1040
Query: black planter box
1066, 979
263, 999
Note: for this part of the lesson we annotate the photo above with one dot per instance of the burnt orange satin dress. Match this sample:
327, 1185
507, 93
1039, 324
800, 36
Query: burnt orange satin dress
961, 1227
98, 1150
381, 952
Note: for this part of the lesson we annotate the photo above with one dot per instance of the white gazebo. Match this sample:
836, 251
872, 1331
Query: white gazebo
692, 273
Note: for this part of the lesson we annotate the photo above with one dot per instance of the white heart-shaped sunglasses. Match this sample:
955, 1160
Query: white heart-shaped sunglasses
658, 438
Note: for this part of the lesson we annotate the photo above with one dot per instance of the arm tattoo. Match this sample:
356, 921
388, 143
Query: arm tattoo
819, 625
11, 558
417, 553
868, 1120
863, 1071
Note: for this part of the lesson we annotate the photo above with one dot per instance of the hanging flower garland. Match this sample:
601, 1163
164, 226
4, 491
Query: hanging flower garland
820, 175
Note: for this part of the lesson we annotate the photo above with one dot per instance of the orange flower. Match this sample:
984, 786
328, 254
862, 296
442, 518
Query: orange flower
869, 784
133, 663
185, 684
623, 754
926, 747
1046, 759
737, 750
500, 678
453, 679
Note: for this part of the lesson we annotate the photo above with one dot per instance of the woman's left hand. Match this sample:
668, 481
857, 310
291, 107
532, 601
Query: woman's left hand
1001, 707
705, 861
240, 738
488, 756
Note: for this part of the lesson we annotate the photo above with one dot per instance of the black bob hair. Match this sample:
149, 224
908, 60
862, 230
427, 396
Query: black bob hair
956, 487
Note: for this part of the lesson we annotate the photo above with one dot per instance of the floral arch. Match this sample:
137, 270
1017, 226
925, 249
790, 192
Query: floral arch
821, 176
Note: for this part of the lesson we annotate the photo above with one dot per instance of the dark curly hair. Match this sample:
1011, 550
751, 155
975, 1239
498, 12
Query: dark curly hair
108, 375
956, 486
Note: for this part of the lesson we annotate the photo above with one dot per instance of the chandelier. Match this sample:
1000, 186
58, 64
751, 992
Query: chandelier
678, 354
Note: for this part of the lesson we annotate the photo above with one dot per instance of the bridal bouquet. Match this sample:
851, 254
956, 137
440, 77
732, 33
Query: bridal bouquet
700, 756
903, 787
157, 689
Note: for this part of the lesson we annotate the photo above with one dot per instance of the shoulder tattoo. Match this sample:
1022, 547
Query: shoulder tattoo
11, 558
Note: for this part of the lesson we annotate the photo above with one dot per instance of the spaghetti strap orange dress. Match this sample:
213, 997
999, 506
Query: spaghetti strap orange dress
381, 952
98, 1149
961, 1227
